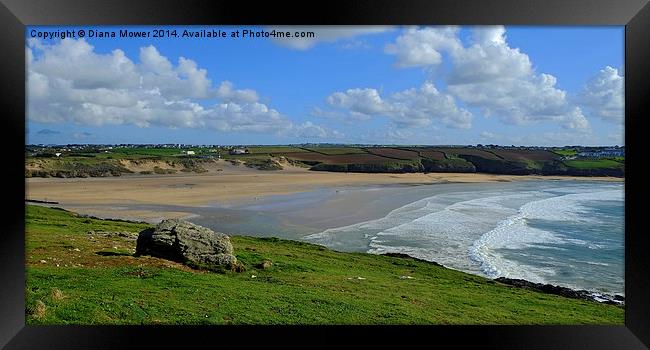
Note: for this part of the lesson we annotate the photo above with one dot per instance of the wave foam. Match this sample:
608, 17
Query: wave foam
514, 233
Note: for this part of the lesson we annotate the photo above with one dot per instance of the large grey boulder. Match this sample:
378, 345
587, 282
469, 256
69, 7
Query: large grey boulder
187, 243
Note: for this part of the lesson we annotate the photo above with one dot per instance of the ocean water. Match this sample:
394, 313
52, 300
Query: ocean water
568, 233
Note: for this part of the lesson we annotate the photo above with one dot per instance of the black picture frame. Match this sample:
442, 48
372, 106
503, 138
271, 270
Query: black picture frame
16, 14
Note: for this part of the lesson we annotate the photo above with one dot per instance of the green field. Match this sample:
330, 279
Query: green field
78, 278
594, 163
566, 152
96, 161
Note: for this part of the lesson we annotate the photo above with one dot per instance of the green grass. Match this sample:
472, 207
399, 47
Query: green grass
594, 163
84, 164
102, 283
566, 152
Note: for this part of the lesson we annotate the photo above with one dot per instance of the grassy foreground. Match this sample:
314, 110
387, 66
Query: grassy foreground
78, 278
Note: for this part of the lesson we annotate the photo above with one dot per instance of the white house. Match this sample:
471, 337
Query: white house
190, 153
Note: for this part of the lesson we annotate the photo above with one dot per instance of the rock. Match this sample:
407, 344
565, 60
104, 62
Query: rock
187, 243
265, 264
406, 256
562, 291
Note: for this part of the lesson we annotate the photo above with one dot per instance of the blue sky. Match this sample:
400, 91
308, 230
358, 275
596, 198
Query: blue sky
518, 85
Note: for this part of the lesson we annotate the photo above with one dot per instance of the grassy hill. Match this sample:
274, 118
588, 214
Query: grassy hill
122, 160
74, 277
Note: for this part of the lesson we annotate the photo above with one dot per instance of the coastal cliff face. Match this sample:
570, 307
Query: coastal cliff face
472, 164
458, 165
554, 167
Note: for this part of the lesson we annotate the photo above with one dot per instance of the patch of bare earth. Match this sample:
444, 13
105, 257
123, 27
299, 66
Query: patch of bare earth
38, 311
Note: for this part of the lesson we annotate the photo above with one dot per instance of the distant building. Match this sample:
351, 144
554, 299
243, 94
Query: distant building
603, 153
190, 153
238, 151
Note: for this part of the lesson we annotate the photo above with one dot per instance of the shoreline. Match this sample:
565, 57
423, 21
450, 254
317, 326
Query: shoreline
225, 183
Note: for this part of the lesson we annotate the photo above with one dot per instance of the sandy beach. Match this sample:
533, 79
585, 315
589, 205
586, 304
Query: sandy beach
222, 183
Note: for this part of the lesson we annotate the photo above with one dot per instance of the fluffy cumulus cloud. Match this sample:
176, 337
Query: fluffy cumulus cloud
363, 101
411, 108
603, 96
423, 47
70, 82
322, 34
226, 92
489, 74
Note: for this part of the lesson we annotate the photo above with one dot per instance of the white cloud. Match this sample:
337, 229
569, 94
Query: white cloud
364, 101
185, 80
423, 47
490, 75
225, 92
75, 61
406, 109
151, 60
489, 60
341, 115
71, 82
322, 34
603, 96
489, 35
